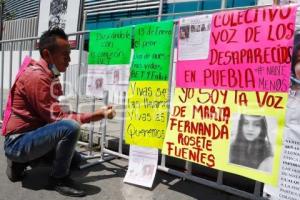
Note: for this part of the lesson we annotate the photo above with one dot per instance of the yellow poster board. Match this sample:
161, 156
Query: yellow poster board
225, 130
146, 113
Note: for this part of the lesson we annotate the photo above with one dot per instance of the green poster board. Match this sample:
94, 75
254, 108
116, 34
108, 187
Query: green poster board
152, 48
110, 46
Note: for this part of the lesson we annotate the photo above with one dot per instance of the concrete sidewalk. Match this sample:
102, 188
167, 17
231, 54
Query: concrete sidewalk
105, 181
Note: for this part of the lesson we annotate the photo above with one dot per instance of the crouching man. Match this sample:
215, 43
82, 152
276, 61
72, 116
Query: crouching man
35, 124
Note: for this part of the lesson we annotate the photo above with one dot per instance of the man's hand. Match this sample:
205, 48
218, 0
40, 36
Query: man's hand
110, 112
104, 112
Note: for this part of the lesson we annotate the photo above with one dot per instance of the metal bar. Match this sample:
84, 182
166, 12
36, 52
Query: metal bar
163, 157
198, 4
30, 47
160, 10
36, 38
91, 132
64, 82
79, 72
10, 65
195, 179
115, 153
105, 159
257, 188
106, 93
163, 160
195, 12
211, 184
188, 167
2, 84
83, 143
122, 122
148, 16
103, 127
20, 53
81, 43
223, 4
220, 177
90, 156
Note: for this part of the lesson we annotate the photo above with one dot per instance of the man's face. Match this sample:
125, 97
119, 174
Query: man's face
61, 57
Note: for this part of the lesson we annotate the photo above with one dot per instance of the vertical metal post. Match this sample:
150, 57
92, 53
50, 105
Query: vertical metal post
188, 167
220, 177
30, 47
20, 53
257, 188
122, 122
160, 10
91, 132
163, 157
10, 65
223, 4
104, 123
1, 21
106, 94
2, 83
81, 44
64, 82
198, 5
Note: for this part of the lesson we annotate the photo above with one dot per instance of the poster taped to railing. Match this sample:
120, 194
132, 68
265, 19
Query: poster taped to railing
229, 109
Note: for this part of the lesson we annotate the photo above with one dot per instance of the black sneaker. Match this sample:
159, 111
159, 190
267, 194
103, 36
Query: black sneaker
65, 186
15, 171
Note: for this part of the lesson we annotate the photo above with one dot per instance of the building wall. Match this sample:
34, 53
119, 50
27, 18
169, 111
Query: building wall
108, 15
21, 9
114, 13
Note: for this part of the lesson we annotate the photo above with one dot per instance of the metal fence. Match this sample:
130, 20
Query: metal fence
16, 29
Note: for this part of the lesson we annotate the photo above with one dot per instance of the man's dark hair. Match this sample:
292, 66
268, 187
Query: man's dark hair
48, 39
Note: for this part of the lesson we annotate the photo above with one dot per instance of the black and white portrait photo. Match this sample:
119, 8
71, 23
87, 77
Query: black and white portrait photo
252, 137
58, 10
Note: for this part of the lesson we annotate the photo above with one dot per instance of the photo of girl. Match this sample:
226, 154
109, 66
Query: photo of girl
251, 147
295, 68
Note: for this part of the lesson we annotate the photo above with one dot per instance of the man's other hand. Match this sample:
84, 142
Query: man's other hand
104, 112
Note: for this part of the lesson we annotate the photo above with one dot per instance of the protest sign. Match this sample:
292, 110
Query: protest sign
249, 51
146, 113
148, 92
110, 46
289, 174
113, 78
152, 48
229, 109
194, 34
205, 128
142, 166
109, 61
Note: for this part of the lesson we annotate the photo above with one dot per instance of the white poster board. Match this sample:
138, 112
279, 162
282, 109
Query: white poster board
113, 78
194, 37
289, 176
142, 166
62, 13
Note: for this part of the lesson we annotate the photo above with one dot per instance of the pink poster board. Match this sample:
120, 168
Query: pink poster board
248, 50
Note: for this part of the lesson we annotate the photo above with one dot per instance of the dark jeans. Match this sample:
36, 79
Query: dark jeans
60, 137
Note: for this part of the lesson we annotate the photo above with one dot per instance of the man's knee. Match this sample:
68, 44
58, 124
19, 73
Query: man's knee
72, 127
